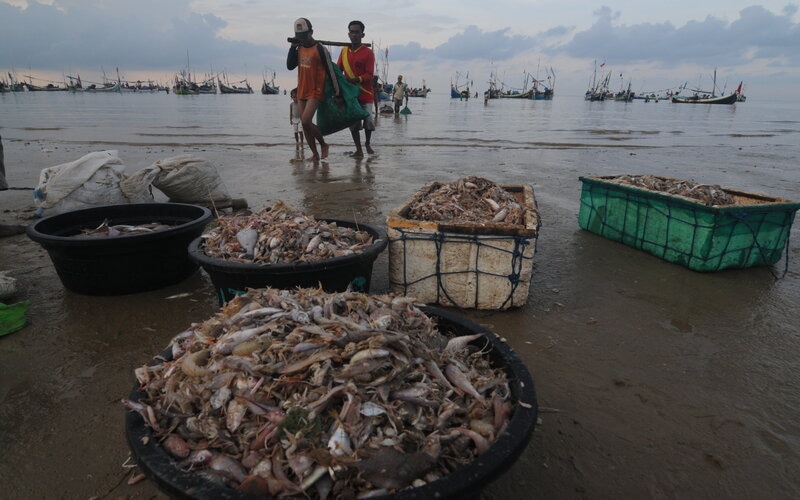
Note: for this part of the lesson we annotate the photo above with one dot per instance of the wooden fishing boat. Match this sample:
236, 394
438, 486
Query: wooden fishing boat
233, 89
207, 87
543, 95
184, 86
698, 99
423, 92
270, 88
709, 97
515, 94
47, 88
625, 94
547, 89
106, 87
12, 85
598, 89
460, 91
140, 87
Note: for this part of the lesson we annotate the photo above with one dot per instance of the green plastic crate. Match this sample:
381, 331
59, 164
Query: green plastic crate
754, 232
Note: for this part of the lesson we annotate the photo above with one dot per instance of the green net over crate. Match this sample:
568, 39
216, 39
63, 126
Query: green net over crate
754, 232
477, 271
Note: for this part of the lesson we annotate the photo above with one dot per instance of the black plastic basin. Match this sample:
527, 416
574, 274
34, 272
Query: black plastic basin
128, 263
334, 275
465, 482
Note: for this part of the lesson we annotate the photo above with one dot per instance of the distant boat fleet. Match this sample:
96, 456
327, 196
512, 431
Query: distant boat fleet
532, 88
599, 91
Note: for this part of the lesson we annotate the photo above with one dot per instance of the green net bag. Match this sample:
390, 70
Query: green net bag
333, 117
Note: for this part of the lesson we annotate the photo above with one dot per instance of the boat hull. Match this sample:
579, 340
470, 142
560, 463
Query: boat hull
728, 99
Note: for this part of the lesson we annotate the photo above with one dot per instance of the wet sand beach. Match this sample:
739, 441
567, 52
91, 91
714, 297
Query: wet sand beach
653, 381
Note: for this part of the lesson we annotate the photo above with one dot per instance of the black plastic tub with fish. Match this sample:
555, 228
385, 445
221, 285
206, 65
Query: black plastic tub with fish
334, 274
132, 256
179, 481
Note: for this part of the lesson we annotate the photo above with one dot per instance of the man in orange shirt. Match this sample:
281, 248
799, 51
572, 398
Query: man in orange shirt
357, 62
313, 63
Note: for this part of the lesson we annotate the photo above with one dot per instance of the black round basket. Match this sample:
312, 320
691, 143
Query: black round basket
465, 482
334, 275
127, 263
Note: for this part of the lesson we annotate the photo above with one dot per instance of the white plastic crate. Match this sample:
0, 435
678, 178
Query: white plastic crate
469, 265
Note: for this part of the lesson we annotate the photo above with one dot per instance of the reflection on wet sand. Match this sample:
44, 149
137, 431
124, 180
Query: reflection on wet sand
346, 192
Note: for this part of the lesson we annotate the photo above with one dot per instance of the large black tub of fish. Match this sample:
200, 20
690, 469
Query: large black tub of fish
282, 248
307, 394
121, 249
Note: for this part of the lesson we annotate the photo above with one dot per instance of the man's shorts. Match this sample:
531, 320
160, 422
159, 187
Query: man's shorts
367, 123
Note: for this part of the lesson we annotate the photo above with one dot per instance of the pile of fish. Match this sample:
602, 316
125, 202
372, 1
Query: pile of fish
105, 230
468, 200
280, 235
711, 195
323, 395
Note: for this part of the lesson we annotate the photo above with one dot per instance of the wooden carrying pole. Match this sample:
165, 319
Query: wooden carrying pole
324, 42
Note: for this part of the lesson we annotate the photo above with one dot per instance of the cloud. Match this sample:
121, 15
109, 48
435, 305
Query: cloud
473, 43
128, 35
757, 33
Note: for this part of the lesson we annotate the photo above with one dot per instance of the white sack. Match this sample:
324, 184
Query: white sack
190, 179
89, 181
138, 187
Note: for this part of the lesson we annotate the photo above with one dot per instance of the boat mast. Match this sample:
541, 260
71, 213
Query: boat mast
714, 86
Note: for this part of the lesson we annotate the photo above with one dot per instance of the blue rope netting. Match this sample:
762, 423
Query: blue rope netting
519, 258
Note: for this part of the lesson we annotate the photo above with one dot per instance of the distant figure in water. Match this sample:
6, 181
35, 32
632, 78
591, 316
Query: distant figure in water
3, 183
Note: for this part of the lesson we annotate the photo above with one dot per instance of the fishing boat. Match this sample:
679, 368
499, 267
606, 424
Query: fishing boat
709, 97
525, 92
270, 88
547, 89
207, 87
516, 94
598, 89
624, 94
419, 92
141, 87
706, 99
105, 87
460, 90
12, 85
546, 94
50, 87
76, 85
184, 85
493, 92
226, 88
659, 95
47, 88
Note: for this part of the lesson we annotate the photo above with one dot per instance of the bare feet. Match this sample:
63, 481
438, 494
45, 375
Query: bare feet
314, 158
358, 154
325, 149
369, 149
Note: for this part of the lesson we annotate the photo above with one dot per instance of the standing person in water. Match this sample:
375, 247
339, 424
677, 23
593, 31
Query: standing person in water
313, 63
357, 62
399, 93
294, 120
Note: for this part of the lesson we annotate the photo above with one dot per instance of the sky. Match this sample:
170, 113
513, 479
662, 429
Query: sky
653, 45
